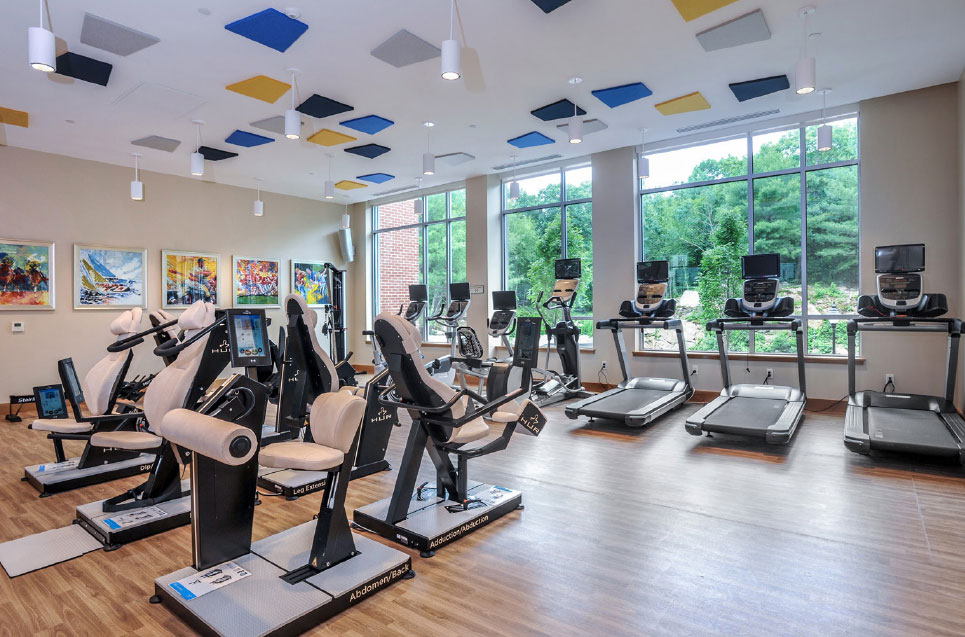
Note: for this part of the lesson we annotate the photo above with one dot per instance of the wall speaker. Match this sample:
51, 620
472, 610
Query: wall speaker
345, 243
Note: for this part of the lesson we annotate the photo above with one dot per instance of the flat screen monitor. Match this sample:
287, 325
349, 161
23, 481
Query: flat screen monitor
904, 258
504, 300
418, 293
761, 266
458, 291
248, 336
50, 401
526, 351
653, 271
68, 376
568, 268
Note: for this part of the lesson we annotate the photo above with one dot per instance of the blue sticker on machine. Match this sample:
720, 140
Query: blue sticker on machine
182, 591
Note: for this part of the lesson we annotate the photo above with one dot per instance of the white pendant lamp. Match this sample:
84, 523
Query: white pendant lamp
419, 206
825, 132
346, 219
259, 206
428, 159
643, 162
197, 159
137, 187
451, 50
514, 186
805, 75
574, 127
42, 46
330, 183
293, 121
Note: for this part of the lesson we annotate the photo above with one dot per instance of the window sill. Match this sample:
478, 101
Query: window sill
809, 358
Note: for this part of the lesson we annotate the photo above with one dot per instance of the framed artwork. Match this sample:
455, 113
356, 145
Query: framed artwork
256, 282
108, 278
310, 281
187, 277
26, 275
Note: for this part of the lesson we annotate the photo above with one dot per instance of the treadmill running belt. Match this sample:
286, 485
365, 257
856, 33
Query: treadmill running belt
742, 412
910, 430
623, 402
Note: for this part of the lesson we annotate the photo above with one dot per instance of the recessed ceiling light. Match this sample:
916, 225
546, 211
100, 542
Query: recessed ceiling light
576, 79
428, 124
204, 11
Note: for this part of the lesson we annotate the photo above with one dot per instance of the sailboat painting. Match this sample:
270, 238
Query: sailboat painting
109, 278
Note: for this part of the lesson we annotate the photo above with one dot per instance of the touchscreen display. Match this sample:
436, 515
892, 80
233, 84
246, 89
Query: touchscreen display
249, 335
504, 300
418, 293
527, 341
653, 271
458, 291
50, 402
69, 376
903, 258
568, 268
761, 266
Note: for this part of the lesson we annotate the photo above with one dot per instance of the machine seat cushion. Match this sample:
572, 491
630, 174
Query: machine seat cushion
355, 391
307, 456
61, 425
471, 431
125, 440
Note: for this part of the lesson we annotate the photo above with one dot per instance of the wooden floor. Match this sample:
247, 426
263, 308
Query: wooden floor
625, 532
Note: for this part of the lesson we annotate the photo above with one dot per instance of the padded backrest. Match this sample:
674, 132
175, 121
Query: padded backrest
102, 379
162, 317
295, 304
170, 387
335, 419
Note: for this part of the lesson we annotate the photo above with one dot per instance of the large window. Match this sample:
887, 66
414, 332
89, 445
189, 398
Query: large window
703, 207
552, 218
413, 247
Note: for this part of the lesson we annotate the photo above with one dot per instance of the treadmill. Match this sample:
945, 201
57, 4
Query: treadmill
771, 412
909, 423
638, 401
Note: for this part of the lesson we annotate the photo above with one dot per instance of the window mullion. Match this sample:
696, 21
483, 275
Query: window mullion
752, 341
804, 236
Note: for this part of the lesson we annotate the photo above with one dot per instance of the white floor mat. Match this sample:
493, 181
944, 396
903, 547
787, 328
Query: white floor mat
45, 549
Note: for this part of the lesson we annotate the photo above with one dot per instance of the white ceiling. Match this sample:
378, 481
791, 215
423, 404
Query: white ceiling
868, 48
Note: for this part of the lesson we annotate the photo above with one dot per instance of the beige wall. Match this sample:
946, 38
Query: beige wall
961, 215
50, 197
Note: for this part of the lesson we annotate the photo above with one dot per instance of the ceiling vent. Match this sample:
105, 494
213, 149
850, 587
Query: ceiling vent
385, 193
527, 162
728, 120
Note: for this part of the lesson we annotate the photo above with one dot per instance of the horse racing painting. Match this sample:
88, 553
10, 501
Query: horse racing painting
256, 282
187, 277
26, 275
109, 278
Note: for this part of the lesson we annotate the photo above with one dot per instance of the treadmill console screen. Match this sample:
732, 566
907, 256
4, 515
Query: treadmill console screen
653, 271
568, 268
649, 294
899, 287
458, 291
761, 266
504, 300
760, 290
903, 258
501, 320
248, 335
527, 341
50, 401
418, 293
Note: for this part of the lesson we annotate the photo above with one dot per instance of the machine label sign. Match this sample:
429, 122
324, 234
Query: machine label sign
59, 466
134, 518
212, 579
458, 532
373, 586
532, 419
382, 415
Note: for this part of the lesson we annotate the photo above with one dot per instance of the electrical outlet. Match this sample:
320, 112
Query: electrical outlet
889, 378
770, 372
693, 372
603, 365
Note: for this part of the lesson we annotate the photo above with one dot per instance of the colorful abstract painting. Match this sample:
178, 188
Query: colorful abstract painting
26, 275
109, 278
256, 282
310, 280
187, 277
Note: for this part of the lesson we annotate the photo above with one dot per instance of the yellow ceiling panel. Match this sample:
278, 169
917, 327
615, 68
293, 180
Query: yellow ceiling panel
693, 9
326, 137
346, 184
261, 87
685, 104
16, 118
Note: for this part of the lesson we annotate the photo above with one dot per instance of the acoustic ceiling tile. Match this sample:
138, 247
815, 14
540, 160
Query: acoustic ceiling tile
620, 95
14, 118
326, 137
557, 110
261, 87
347, 184
157, 142
81, 67
589, 126
376, 178
454, 159
370, 124
549, 5
371, 151
246, 139
744, 91
530, 139
215, 154
150, 100
693, 9
683, 104
743, 30
270, 27
112, 37
404, 48
318, 106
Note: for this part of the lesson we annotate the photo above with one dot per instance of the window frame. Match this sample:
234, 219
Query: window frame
802, 169
423, 227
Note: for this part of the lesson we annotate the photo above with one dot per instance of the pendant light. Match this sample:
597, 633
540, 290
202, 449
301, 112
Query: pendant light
419, 206
293, 121
259, 205
197, 159
825, 132
330, 183
451, 50
428, 159
804, 76
42, 46
643, 162
514, 186
137, 187
575, 125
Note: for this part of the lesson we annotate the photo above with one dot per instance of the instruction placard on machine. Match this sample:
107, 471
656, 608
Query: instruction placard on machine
54, 467
134, 518
212, 579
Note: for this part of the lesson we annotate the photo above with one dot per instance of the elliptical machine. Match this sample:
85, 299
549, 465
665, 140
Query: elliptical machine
500, 325
557, 386
418, 297
454, 312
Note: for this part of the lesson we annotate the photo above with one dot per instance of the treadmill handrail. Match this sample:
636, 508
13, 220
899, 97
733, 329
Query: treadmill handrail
752, 324
641, 323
